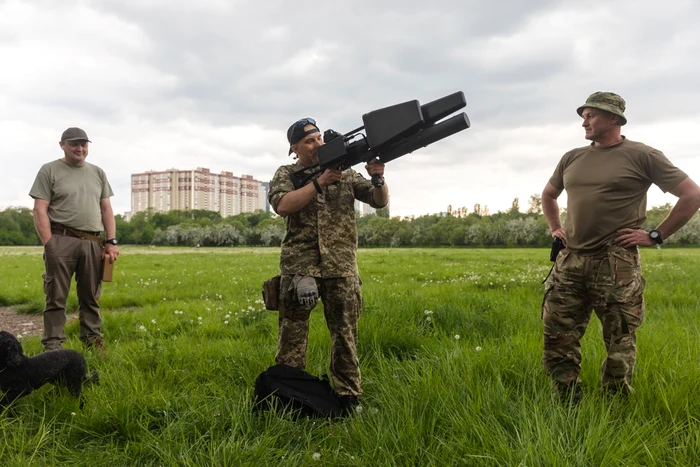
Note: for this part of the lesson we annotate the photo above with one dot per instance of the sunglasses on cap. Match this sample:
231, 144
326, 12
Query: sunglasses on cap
296, 131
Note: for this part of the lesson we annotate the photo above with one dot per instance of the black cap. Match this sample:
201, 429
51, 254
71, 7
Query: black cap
296, 132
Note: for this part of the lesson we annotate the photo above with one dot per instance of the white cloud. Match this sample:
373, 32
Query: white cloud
216, 83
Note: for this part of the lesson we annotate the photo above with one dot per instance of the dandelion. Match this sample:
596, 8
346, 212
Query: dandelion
142, 328
428, 312
153, 321
199, 318
457, 336
316, 456
72, 414
478, 349
228, 315
225, 322
428, 319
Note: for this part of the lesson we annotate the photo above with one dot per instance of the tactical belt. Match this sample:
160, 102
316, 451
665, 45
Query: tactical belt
60, 229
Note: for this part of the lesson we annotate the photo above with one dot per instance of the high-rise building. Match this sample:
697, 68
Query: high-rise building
175, 189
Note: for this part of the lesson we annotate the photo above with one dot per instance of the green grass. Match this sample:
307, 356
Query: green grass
177, 389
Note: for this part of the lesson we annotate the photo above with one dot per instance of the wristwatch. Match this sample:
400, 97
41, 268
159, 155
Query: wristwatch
111, 241
656, 236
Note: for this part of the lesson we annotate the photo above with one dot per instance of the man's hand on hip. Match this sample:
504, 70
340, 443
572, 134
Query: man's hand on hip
628, 238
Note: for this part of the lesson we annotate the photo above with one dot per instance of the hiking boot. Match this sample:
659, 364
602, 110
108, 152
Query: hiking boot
570, 393
52, 347
98, 345
349, 404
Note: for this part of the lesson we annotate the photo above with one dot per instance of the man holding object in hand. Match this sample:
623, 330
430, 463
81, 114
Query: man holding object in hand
71, 209
317, 259
606, 184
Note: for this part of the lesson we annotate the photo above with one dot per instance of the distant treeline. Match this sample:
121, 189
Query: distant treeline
207, 228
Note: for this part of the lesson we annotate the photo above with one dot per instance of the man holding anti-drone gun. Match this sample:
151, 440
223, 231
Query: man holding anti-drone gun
316, 195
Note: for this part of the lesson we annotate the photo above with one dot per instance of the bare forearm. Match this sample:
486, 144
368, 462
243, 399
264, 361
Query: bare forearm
681, 213
294, 201
381, 195
109, 223
42, 224
550, 209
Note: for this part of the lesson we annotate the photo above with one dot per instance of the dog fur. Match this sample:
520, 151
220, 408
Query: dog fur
20, 374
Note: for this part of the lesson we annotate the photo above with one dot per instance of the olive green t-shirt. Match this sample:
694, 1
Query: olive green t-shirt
73, 193
607, 190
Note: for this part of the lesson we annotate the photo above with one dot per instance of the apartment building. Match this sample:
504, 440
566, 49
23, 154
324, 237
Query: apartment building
175, 189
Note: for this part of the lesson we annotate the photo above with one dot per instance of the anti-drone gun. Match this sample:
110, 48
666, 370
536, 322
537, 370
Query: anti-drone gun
390, 132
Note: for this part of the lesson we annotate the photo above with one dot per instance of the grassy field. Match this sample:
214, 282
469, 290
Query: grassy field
450, 350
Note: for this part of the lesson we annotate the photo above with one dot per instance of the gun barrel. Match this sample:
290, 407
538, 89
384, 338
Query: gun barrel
441, 108
428, 136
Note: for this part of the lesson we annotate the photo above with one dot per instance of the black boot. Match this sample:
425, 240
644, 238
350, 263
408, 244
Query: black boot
348, 404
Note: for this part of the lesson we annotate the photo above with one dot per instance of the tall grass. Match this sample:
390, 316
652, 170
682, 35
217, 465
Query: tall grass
450, 350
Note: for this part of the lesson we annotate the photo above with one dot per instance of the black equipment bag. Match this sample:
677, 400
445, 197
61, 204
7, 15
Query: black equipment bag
295, 390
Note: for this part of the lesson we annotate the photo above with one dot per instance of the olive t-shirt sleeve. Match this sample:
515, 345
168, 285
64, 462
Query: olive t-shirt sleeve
557, 178
41, 189
662, 172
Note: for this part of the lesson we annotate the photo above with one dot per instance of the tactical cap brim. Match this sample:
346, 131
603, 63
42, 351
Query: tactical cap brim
607, 101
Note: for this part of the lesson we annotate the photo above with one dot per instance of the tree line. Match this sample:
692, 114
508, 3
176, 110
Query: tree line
456, 227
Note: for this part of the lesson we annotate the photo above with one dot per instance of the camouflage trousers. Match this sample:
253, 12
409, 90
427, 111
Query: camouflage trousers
610, 283
342, 305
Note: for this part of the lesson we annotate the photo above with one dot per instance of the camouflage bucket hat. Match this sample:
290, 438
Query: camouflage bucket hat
608, 101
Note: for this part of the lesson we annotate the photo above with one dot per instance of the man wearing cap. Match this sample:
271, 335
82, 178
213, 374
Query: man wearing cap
71, 209
606, 184
317, 259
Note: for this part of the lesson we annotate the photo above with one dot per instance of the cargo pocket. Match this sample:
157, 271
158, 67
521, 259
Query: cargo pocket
271, 293
49, 284
627, 281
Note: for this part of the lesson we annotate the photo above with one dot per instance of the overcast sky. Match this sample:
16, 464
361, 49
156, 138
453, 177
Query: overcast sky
215, 83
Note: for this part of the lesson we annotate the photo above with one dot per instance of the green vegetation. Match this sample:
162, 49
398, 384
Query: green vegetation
450, 349
457, 228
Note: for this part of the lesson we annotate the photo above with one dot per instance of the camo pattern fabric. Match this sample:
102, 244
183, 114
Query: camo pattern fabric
321, 239
610, 283
342, 305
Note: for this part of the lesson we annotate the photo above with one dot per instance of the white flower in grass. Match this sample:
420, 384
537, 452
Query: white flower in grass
72, 414
199, 318
225, 322
428, 319
316, 456
428, 312
142, 328
457, 336
153, 321
478, 349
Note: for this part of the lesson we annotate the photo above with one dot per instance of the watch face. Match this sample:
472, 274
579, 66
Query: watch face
654, 234
112, 241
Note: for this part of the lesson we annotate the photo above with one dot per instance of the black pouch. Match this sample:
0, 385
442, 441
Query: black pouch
271, 293
557, 245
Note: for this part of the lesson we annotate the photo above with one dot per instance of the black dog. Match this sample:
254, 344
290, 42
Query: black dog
20, 375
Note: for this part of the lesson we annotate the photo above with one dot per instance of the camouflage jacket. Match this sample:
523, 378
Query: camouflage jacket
321, 239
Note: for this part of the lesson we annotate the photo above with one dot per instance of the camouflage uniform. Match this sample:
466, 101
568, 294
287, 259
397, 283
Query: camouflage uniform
606, 191
321, 241
609, 282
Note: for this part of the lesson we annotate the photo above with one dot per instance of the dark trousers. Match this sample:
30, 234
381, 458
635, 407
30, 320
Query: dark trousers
63, 257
